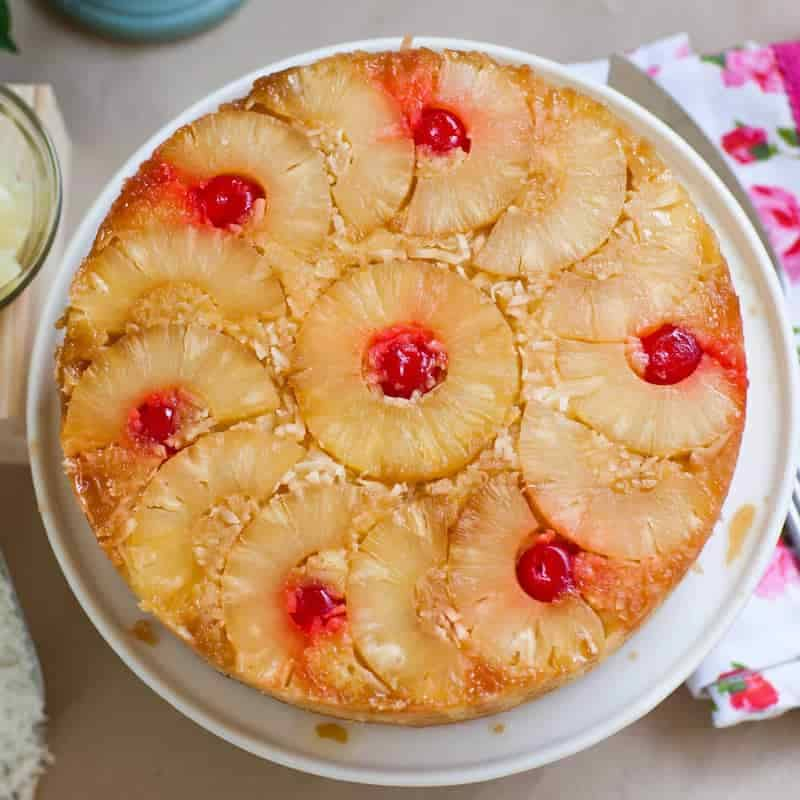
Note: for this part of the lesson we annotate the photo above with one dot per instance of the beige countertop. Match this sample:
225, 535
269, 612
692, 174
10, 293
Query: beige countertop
111, 736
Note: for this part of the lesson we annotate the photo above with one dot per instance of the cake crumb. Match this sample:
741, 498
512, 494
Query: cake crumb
332, 731
633, 655
498, 728
143, 630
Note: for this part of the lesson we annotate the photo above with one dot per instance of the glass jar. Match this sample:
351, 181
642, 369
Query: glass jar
26, 141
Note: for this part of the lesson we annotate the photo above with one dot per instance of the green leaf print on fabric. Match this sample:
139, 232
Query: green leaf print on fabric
714, 58
790, 136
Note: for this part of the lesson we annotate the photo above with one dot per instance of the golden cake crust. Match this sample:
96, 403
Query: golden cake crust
231, 447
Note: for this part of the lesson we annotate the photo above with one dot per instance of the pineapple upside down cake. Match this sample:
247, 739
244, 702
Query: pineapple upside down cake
404, 388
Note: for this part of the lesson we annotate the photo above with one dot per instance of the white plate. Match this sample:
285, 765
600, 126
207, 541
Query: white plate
615, 694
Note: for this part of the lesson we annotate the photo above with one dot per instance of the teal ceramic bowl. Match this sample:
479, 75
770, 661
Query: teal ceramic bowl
147, 20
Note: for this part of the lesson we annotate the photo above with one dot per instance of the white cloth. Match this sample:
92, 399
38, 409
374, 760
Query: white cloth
743, 100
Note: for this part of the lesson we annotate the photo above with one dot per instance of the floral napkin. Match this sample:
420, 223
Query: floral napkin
747, 99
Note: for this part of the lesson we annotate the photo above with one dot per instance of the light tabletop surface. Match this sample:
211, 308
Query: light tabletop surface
111, 736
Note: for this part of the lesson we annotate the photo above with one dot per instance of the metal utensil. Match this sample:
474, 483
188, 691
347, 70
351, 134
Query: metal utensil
627, 78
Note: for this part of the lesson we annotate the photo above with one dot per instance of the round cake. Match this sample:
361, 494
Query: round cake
404, 388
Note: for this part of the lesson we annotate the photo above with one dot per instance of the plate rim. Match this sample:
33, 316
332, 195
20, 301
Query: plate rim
40, 364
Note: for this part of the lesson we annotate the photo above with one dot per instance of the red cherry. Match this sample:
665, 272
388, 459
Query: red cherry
441, 131
544, 571
672, 355
312, 606
227, 199
156, 419
405, 359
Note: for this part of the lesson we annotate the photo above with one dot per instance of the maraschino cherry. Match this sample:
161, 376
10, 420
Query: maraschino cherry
544, 571
672, 354
156, 419
312, 606
405, 359
227, 200
440, 131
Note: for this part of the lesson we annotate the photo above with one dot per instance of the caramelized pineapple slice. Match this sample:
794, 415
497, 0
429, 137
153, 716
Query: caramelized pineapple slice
219, 377
165, 272
461, 189
191, 513
508, 628
652, 265
362, 129
274, 553
296, 211
606, 393
603, 497
399, 628
441, 425
574, 198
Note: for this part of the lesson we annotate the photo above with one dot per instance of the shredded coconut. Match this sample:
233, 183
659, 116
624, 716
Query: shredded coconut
316, 469
460, 631
258, 212
279, 360
338, 223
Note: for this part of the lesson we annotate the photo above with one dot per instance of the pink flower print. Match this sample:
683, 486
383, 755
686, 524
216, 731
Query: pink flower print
793, 252
757, 65
780, 213
653, 70
747, 690
782, 571
740, 143
683, 50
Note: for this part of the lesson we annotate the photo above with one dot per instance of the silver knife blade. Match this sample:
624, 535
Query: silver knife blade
627, 78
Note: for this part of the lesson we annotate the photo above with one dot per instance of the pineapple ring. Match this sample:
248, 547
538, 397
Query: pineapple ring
651, 266
372, 156
460, 192
605, 498
395, 439
220, 375
398, 621
508, 628
140, 276
573, 200
186, 520
595, 376
269, 647
280, 159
